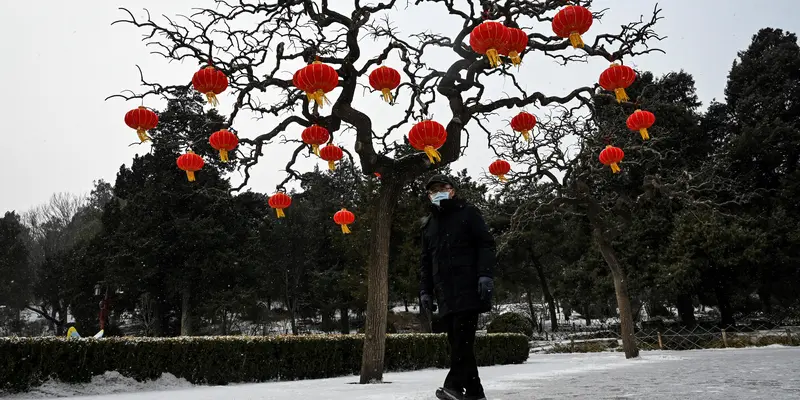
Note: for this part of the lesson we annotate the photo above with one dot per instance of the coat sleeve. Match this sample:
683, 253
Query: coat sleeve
483, 241
425, 267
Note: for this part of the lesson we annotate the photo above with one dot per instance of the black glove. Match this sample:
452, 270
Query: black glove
426, 302
485, 287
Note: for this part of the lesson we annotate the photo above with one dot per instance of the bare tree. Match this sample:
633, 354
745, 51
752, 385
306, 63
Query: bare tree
257, 45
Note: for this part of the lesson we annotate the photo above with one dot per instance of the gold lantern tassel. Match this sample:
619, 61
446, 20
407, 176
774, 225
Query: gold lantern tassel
515, 58
223, 155
142, 135
345, 229
645, 135
615, 168
280, 212
526, 135
502, 178
432, 154
318, 97
331, 165
494, 57
387, 95
190, 175
576, 40
212, 99
315, 149
621, 95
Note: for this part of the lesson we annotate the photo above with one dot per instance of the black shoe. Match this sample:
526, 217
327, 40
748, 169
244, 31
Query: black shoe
448, 394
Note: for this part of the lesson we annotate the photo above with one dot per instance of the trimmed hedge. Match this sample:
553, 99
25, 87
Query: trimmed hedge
218, 360
511, 323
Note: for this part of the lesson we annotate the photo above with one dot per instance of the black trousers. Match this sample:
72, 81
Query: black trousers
463, 373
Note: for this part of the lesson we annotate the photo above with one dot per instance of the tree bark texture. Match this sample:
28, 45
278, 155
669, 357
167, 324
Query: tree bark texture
378, 284
623, 299
344, 316
186, 312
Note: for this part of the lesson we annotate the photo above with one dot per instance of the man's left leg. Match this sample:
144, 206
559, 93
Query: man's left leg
465, 326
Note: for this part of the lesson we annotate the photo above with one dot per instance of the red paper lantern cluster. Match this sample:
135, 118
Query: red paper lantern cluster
517, 43
211, 82
491, 39
385, 79
279, 202
142, 120
428, 136
344, 218
316, 80
572, 22
315, 136
523, 123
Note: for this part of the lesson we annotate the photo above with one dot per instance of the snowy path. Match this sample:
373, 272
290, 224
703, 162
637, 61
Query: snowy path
766, 373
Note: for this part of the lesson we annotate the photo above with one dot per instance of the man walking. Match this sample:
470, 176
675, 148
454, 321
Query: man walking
458, 258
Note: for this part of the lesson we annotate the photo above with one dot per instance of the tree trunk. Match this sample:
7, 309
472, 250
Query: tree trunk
405, 303
531, 309
685, 308
344, 317
378, 284
548, 297
224, 324
623, 300
186, 312
724, 303
327, 319
587, 315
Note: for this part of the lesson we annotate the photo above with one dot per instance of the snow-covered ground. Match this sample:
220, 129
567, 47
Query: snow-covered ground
754, 373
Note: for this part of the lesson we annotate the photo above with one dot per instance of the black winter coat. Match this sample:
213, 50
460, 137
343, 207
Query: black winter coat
457, 249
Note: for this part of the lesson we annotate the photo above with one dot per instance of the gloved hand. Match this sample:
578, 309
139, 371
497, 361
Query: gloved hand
485, 287
426, 301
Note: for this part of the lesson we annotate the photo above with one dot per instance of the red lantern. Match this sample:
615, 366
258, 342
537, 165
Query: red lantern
331, 153
428, 136
617, 78
223, 141
612, 156
142, 120
316, 79
499, 169
191, 163
378, 175
572, 22
517, 43
344, 218
315, 135
385, 79
490, 38
640, 121
523, 123
280, 201
211, 82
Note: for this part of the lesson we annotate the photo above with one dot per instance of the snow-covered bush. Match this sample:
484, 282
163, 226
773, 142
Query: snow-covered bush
27, 362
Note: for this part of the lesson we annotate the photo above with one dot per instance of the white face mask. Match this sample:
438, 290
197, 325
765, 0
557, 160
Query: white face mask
437, 197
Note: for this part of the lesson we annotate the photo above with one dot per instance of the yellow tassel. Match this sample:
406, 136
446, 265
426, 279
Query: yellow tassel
331, 165
526, 135
315, 149
502, 178
223, 155
576, 40
644, 133
142, 135
212, 99
190, 175
387, 95
280, 212
621, 95
615, 168
318, 97
515, 58
432, 154
494, 58
345, 229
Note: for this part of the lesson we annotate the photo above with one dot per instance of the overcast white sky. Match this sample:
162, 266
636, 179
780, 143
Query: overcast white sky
61, 59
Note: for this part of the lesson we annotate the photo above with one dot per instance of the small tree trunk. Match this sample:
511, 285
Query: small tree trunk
378, 284
344, 318
186, 312
224, 324
548, 297
685, 308
587, 315
327, 319
724, 303
623, 299
531, 309
405, 303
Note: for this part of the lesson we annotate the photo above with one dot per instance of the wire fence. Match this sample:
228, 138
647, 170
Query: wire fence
607, 337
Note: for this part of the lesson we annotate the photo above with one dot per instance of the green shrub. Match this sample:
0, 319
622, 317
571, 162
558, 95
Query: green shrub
26, 362
511, 323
